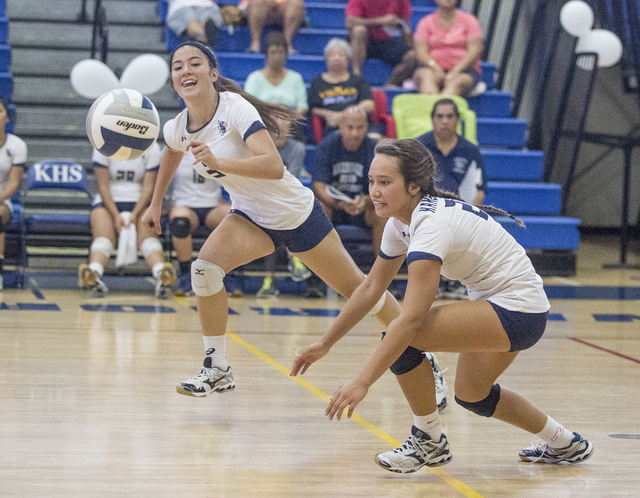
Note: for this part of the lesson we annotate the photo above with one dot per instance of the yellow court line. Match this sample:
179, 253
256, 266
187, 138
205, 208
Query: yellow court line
376, 431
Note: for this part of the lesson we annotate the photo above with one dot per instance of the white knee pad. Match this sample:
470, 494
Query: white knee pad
379, 305
102, 245
206, 278
150, 245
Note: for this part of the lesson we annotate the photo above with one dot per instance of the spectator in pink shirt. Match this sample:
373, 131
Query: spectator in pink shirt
448, 45
381, 29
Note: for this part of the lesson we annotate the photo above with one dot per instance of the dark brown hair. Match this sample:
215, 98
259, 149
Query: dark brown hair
275, 39
445, 102
417, 165
268, 112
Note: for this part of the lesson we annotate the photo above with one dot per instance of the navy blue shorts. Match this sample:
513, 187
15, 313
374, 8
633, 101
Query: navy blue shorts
303, 238
523, 329
201, 213
122, 206
475, 75
390, 51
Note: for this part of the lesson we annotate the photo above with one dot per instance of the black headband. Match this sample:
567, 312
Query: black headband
202, 47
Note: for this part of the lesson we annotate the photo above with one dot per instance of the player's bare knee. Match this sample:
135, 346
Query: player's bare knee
206, 278
485, 407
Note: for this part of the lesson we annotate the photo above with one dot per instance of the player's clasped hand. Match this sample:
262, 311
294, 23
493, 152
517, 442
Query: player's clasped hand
348, 395
202, 153
306, 356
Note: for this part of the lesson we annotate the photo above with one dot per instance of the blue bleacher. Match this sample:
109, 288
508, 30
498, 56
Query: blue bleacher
515, 175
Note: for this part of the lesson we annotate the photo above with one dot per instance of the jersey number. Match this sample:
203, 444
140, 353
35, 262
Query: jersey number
467, 207
197, 178
214, 173
127, 176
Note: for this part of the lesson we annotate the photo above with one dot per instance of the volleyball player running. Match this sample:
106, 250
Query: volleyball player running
124, 186
224, 130
507, 313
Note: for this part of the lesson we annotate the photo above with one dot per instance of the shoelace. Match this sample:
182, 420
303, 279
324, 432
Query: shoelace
542, 448
411, 446
199, 377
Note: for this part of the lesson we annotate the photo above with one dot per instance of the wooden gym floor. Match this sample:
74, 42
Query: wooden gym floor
88, 406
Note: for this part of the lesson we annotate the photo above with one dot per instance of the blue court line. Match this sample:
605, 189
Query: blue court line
593, 292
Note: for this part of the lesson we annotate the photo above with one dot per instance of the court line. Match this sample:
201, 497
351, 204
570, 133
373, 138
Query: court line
376, 431
615, 353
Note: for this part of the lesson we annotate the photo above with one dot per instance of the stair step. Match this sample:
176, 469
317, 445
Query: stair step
238, 66
139, 12
544, 232
524, 198
59, 62
502, 132
513, 164
331, 15
58, 91
65, 35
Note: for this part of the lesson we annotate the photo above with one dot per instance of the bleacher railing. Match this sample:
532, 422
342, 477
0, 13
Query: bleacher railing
100, 35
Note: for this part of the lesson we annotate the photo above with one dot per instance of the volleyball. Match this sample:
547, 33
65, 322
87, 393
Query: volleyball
123, 124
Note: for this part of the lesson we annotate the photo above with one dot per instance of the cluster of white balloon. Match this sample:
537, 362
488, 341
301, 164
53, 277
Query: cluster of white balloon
146, 73
576, 17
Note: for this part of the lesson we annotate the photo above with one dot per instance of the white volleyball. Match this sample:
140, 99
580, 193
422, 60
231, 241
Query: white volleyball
123, 124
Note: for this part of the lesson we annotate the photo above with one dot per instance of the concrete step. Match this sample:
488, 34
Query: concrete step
65, 35
118, 11
29, 61
58, 91
41, 121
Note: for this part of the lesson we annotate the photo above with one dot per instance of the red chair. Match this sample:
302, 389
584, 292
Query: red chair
379, 116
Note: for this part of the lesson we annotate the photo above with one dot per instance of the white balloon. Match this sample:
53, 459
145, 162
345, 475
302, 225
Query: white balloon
576, 17
147, 74
91, 78
605, 43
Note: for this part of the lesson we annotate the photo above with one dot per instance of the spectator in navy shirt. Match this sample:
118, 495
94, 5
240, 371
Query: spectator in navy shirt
459, 169
342, 160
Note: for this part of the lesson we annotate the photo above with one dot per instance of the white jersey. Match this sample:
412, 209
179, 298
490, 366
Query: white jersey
126, 177
193, 190
12, 153
274, 204
473, 248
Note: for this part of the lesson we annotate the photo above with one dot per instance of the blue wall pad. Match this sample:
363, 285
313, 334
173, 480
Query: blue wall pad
5, 58
513, 164
593, 292
66, 223
544, 232
525, 198
502, 132
4, 30
6, 85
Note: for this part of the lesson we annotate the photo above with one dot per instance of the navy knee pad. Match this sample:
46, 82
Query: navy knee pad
411, 358
180, 227
485, 407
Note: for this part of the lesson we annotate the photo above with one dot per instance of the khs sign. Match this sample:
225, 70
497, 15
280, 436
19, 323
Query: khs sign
58, 173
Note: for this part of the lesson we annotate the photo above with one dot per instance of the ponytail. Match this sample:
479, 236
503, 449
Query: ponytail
418, 166
269, 113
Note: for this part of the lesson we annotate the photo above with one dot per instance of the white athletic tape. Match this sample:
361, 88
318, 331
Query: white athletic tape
102, 245
206, 278
150, 245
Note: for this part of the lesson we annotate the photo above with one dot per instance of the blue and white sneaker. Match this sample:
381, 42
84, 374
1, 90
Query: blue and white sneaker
183, 285
579, 450
208, 380
416, 452
442, 389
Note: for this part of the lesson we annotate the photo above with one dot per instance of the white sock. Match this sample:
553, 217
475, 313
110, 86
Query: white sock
97, 267
216, 348
429, 424
157, 268
555, 435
